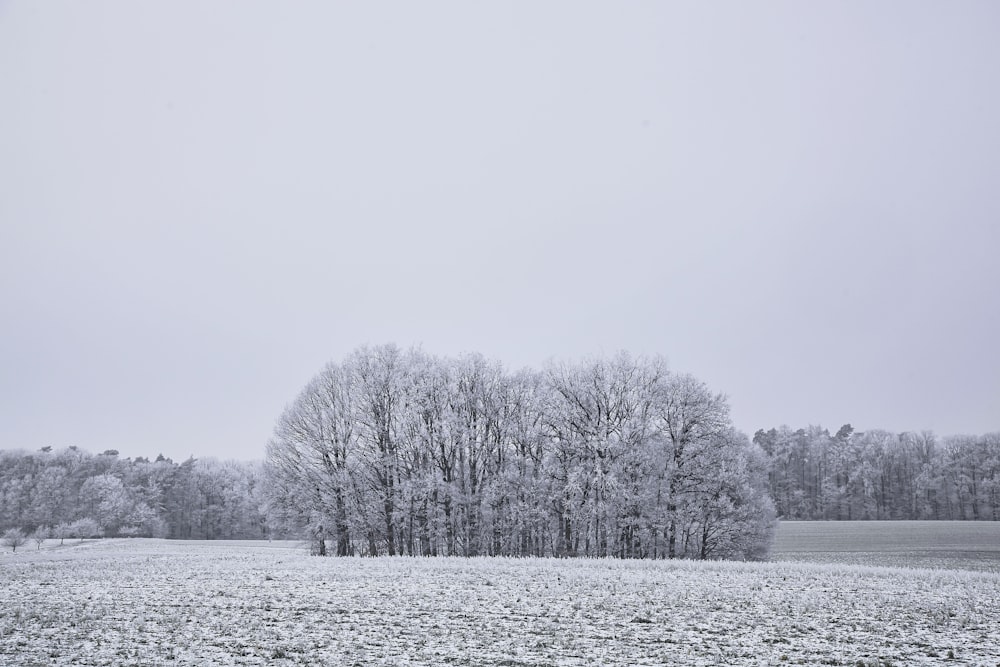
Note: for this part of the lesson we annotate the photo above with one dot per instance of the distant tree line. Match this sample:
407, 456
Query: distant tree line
72, 493
393, 452
881, 475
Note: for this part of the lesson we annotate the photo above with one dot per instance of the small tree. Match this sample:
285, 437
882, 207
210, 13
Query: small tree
14, 538
84, 528
61, 532
41, 534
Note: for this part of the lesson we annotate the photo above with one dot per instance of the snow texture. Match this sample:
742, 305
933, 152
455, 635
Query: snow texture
154, 602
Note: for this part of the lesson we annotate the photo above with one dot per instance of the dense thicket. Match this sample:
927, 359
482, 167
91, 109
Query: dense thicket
112, 496
393, 452
882, 475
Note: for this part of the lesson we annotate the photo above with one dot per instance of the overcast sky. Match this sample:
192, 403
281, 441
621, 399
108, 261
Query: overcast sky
201, 203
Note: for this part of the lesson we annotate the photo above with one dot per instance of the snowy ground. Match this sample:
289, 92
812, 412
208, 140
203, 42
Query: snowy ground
964, 545
152, 602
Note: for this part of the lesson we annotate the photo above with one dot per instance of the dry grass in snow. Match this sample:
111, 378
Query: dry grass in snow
152, 602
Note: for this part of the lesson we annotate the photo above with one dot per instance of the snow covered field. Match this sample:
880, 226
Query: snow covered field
153, 602
965, 545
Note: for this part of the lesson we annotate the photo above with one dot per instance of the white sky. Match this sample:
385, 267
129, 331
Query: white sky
203, 202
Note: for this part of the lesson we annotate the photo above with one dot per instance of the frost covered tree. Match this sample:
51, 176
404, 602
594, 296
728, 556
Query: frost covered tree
399, 452
692, 420
878, 474
13, 538
106, 499
39, 536
600, 419
61, 531
85, 528
195, 499
311, 484
735, 516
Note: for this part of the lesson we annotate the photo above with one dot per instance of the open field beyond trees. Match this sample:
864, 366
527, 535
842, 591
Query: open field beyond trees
157, 602
967, 545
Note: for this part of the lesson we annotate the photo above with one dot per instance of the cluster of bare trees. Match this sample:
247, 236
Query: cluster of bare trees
393, 452
72, 493
882, 475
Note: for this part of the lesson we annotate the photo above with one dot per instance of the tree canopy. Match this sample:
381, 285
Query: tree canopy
130, 497
400, 452
876, 474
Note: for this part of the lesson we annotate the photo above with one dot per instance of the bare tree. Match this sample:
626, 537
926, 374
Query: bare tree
405, 453
13, 538
41, 534
691, 419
